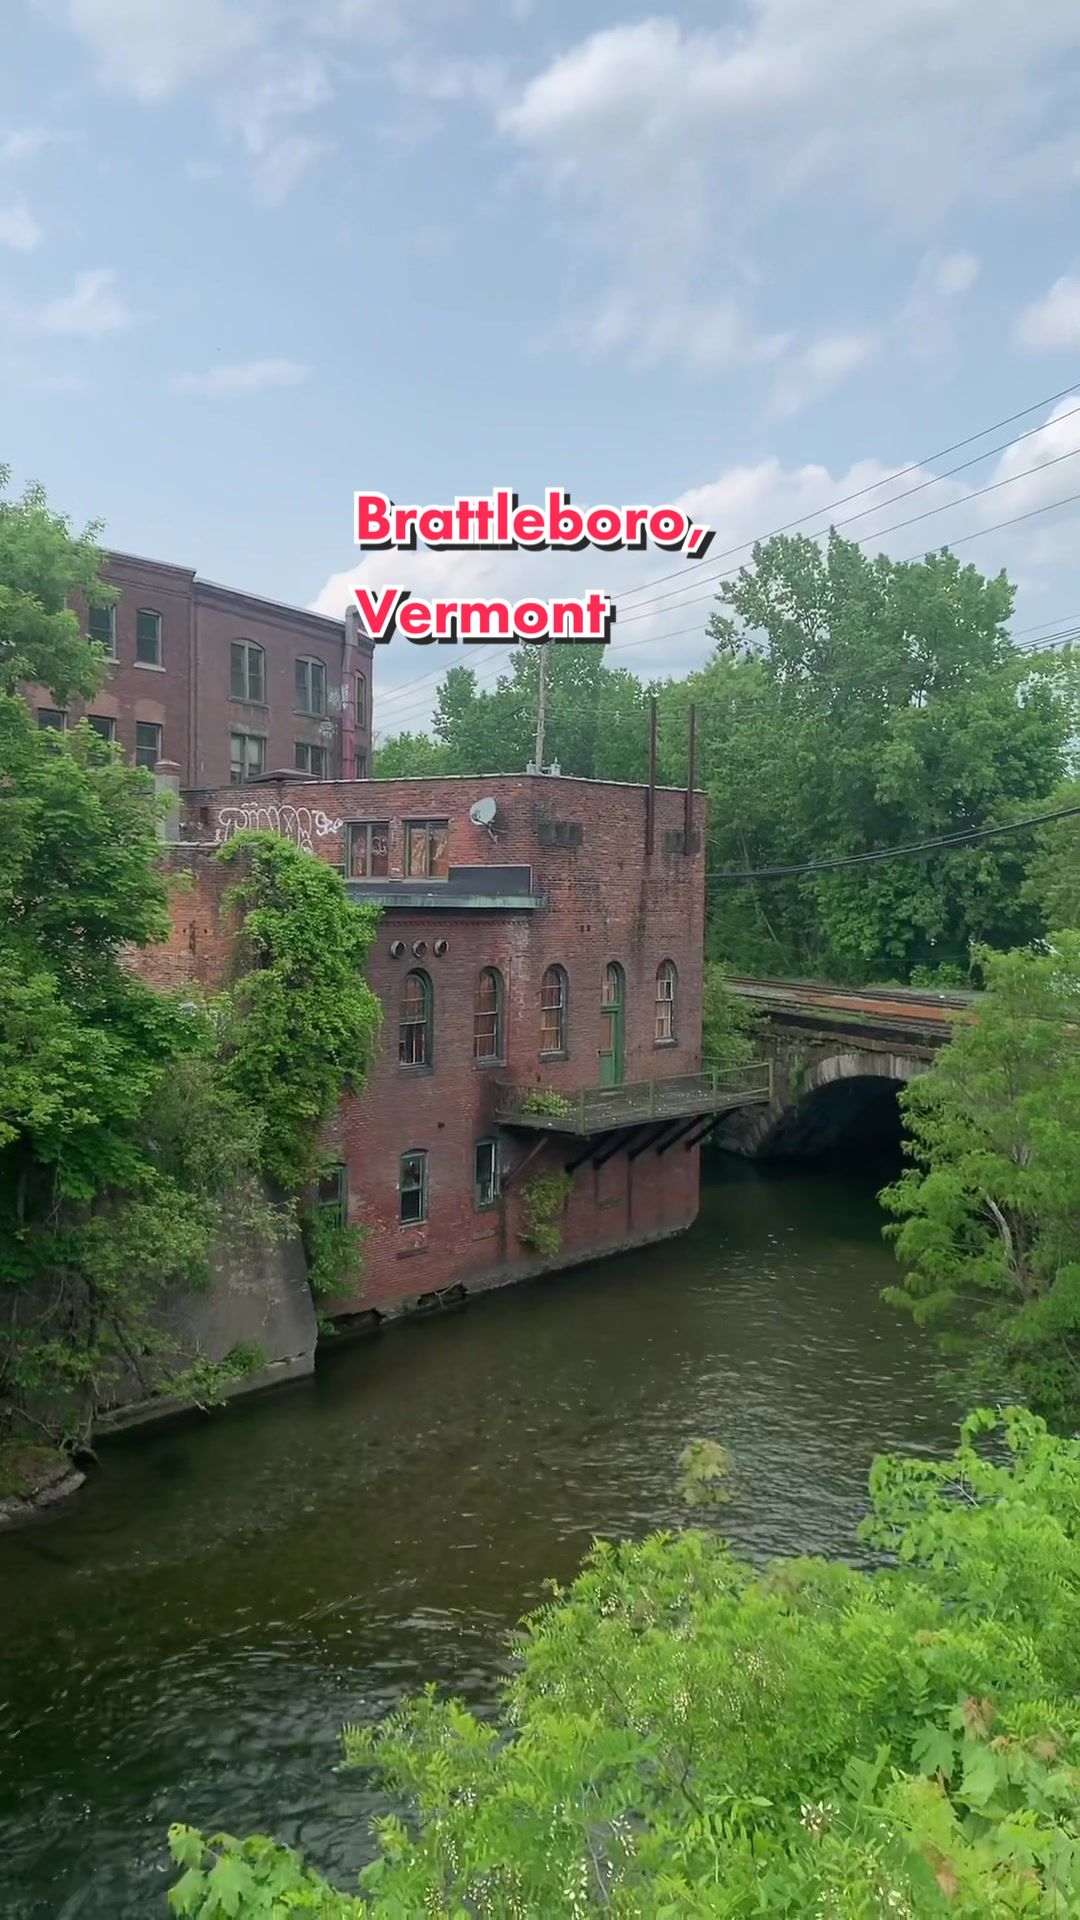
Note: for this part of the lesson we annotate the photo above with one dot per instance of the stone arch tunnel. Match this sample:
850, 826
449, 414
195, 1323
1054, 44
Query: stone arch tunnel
827, 1096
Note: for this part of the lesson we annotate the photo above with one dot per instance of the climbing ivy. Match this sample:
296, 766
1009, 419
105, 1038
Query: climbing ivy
301, 1026
302, 1021
542, 1200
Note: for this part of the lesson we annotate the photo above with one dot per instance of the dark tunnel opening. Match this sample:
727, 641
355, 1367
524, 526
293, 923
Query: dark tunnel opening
845, 1122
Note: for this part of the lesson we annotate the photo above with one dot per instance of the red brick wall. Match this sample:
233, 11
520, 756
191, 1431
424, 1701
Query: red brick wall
134, 692
188, 697
285, 636
602, 901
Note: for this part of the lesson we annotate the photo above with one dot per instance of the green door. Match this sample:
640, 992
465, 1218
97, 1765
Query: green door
612, 1009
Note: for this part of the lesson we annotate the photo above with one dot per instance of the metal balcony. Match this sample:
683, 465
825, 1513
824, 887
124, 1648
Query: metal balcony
602, 1109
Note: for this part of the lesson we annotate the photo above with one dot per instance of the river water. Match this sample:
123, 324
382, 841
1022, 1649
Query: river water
185, 1640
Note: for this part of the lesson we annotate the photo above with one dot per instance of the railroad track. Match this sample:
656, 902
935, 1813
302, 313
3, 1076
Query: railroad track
903, 1007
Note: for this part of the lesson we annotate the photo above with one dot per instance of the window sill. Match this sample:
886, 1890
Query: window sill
559, 1054
485, 1065
305, 713
666, 1043
148, 666
241, 700
405, 1067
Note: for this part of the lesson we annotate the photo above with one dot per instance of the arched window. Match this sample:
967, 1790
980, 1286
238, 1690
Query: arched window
414, 1021
361, 701
488, 1015
667, 982
247, 671
553, 997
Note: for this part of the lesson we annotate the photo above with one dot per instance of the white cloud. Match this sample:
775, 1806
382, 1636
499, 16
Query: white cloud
25, 143
19, 229
672, 147
662, 630
810, 372
90, 309
152, 47
1053, 321
708, 336
235, 382
927, 319
917, 93
262, 111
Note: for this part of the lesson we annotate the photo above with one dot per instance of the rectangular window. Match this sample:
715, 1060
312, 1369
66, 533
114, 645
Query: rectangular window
367, 849
101, 627
147, 744
360, 764
333, 1196
247, 680
361, 702
103, 725
426, 849
412, 1189
486, 1173
148, 638
310, 758
52, 717
247, 758
310, 686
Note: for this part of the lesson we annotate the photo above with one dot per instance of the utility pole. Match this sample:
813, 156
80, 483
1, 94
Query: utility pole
541, 709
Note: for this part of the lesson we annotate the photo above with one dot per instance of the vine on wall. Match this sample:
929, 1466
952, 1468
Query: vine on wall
301, 1026
543, 1199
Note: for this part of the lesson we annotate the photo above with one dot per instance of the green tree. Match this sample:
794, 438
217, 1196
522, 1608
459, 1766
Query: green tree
1053, 881
728, 1024
137, 1129
989, 1214
686, 1735
409, 756
597, 721
41, 564
859, 703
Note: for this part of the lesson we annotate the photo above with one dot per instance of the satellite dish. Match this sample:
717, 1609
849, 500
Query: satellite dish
483, 812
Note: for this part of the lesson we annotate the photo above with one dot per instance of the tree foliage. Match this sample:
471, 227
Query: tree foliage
41, 564
989, 1214
851, 703
137, 1128
685, 1735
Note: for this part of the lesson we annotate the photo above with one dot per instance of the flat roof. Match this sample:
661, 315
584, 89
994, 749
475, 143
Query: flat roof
216, 586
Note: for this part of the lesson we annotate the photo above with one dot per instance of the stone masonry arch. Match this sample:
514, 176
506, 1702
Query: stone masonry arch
822, 1090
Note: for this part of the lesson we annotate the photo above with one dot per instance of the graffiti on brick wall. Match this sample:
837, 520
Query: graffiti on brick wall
301, 825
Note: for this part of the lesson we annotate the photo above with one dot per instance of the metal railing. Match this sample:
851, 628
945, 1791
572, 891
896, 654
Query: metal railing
591, 1109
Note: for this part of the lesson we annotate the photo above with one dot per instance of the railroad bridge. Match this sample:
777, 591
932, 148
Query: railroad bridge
838, 1057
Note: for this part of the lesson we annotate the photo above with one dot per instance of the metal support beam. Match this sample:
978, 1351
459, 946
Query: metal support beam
653, 1135
586, 1152
704, 1131
679, 1134
514, 1173
617, 1141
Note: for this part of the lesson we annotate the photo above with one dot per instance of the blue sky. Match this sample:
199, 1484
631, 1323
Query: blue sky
257, 253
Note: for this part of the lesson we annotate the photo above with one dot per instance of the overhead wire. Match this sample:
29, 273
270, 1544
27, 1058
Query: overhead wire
961, 837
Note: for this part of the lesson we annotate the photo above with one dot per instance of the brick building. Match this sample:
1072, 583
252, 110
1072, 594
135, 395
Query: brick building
539, 964
226, 686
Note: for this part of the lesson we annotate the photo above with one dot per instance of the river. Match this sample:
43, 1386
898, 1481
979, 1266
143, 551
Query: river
186, 1638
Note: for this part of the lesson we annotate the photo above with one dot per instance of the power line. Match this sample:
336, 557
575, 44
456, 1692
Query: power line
657, 639
912, 520
861, 492
962, 837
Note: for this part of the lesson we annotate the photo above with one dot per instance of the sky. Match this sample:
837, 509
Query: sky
755, 256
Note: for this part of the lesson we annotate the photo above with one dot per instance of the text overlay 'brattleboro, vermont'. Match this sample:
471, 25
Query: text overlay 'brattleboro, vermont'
497, 521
